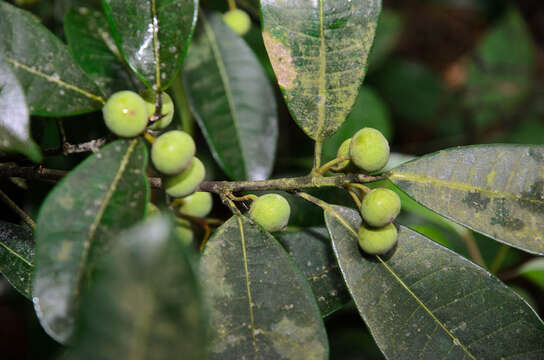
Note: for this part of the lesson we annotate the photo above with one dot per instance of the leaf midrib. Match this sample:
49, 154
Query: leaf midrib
16, 254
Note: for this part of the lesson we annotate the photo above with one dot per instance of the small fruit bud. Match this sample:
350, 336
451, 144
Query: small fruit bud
187, 181
125, 114
271, 211
172, 152
198, 204
377, 241
380, 207
238, 20
369, 150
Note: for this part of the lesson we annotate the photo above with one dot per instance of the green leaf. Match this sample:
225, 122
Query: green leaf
497, 190
429, 302
104, 195
388, 34
144, 302
54, 84
94, 49
153, 35
311, 250
16, 256
232, 100
319, 52
14, 119
534, 271
260, 304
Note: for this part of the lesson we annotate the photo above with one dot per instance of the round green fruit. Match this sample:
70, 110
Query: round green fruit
343, 151
172, 152
167, 109
125, 114
187, 181
377, 241
369, 150
238, 20
184, 232
380, 207
271, 211
198, 204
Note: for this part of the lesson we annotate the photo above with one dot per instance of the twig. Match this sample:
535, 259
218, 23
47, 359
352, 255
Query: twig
17, 209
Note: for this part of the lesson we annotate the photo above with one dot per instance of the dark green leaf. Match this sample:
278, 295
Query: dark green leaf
14, 119
319, 52
497, 190
232, 100
153, 35
77, 223
94, 49
311, 250
54, 84
431, 303
261, 306
16, 256
388, 35
144, 302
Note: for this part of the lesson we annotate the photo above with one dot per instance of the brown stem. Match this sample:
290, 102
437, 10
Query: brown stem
27, 219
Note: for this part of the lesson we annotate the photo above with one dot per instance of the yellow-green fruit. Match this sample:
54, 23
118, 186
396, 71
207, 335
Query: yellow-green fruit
377, 241
198, 204
187, 181
238, 20
151, 210
184, 232
172, 152
380, 207
369, 150
167, 109
271, 211
125, 114
343, 151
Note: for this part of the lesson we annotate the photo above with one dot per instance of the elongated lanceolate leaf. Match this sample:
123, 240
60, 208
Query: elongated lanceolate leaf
153, 35
104, 195
261, 306
144, 302
54, 84
14, 118
16, 256
232, 100
497, 190
312, 252
423, 301
319, 52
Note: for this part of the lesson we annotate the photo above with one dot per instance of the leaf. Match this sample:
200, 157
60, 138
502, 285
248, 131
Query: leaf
497, 190
260, 305
153, 35
144, 302
94, 49
77, 223
14, 119
534, 271
232, 100
319, 52
54, 84
311, 250
16, 256
388, 34
429, 302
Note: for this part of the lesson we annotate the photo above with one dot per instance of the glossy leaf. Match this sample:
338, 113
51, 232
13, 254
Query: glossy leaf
144, 302
16, 256
427, 301
261, 306
104, 195
94, 49
232, 100
14, 119
54, 84
153, 35
497, 190
533, 270
311, 250
319, 52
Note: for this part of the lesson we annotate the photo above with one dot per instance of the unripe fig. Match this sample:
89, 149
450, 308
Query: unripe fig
271, 211
184, 231
343, 151
198, 204
167, 109
238, 20
377, 241
380, 207
369, 150
125, 114
187, 181
172, 152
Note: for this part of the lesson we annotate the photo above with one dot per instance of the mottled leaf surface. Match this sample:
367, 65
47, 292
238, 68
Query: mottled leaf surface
232, 100
144, 302
16, 256
53, 83
261, 306
104, 195
311, 250
427, 301
153, 35
319, 52
14, 118
497, 190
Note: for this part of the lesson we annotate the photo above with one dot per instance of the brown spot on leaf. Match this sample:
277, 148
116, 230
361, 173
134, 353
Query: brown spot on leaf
281, 60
